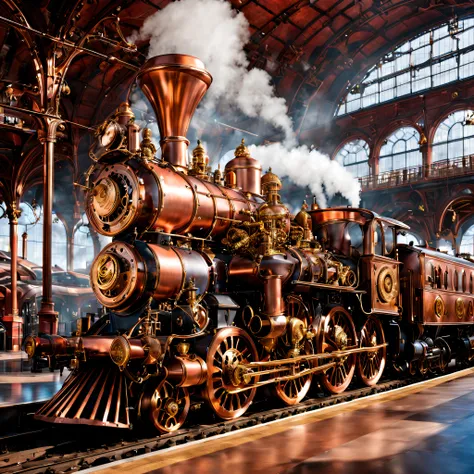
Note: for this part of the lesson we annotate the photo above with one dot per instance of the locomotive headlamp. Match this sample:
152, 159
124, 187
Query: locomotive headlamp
120, 351
30, 346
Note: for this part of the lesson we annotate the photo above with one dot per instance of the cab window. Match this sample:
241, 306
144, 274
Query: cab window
378, 239
388, 235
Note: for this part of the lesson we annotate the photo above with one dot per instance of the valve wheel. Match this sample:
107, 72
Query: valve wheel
229, 348
370, 365
337, 333
165, 406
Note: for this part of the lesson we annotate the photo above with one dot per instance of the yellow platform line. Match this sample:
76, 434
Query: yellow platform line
194, 449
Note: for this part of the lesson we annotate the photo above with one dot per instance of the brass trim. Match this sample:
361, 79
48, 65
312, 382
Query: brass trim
439, 307
460, 308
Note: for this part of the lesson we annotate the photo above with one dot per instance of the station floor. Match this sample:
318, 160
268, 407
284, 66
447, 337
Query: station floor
19, 386
423, 429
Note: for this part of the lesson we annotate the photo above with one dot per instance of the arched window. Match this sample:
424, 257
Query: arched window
401, 150
446, 279
354, 155
438, 56
35, 240
4, 233
454, 138
467, 241
83, 248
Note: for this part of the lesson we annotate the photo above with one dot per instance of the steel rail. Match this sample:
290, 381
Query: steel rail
46, 459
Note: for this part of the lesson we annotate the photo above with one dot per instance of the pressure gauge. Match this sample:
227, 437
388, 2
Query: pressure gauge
111, 135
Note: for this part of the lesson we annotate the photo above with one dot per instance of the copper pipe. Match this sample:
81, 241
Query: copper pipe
14, 263
48, 318
273, 300
24, 245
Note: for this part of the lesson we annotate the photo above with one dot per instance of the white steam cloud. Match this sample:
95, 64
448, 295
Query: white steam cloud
305, 167
216, 34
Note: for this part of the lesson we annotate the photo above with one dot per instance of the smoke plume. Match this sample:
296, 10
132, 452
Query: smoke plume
305, 167
216, 34
213, 32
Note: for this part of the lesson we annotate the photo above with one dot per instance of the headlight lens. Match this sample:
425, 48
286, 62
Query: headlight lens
120, 351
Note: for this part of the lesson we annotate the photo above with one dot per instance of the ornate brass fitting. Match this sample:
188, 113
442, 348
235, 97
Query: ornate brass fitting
199, 166
148, 149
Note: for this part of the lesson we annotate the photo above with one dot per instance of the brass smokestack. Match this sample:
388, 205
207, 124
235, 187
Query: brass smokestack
174, 84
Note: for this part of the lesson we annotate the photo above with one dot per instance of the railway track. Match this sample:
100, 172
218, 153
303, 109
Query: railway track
62, 449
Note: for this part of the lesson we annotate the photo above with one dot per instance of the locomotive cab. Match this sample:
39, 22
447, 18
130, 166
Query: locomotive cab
368, 240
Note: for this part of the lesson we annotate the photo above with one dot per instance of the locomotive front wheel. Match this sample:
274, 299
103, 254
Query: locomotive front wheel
338, 333
229, 348
370, 365
165, 406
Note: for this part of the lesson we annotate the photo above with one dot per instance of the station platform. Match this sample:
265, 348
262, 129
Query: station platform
19, 386
422, 428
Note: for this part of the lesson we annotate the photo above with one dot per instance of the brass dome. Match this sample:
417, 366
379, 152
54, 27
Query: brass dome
271, 178
242, 150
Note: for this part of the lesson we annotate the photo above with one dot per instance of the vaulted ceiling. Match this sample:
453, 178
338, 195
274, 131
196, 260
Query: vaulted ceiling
312, 48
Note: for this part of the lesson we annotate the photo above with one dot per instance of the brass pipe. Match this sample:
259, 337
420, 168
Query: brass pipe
314, 370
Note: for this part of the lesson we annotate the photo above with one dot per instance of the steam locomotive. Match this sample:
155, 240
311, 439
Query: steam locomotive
213, 290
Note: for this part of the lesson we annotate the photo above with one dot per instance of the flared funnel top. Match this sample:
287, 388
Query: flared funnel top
174, 84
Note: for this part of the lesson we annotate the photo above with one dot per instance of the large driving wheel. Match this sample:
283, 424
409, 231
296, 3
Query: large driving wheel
370, 365
229, 348
338, 333
165, 406
293, 391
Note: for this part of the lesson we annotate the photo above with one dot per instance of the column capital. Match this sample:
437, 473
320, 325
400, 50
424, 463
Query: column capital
13, 213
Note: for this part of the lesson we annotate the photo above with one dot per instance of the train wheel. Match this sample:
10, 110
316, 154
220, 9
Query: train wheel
229, 348
338, 333
423, 367
165, 406
293, 391
370, 365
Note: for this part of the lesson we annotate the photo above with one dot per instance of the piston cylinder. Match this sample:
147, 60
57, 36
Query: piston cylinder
125, 276
187, 371
46, 345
